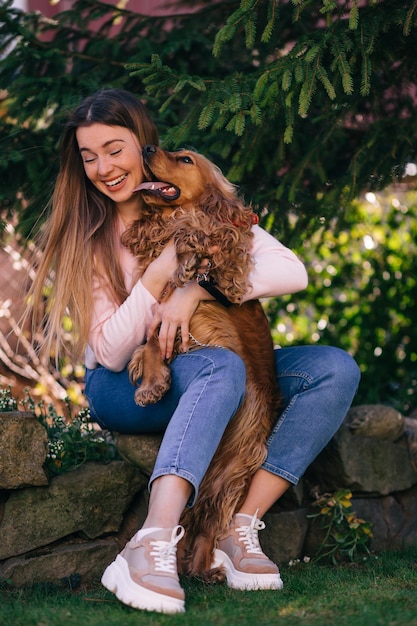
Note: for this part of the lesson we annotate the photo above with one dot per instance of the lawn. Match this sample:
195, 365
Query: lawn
382, 589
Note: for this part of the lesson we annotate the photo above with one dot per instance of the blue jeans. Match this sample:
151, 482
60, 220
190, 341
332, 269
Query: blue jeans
317, 383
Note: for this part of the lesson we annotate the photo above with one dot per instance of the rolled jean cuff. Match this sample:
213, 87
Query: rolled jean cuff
176, 471
281, 473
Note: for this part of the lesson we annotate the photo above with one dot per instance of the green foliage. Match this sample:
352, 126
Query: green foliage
300, 103
346, 535
362, 294
7, 401
72, 440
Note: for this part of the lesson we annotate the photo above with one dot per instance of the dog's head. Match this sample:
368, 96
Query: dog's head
180, 178
188, 199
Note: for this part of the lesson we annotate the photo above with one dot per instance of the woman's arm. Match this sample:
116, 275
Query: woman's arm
117, 330
277, 271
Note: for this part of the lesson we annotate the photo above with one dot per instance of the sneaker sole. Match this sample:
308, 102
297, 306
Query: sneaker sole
116, 578
241, 580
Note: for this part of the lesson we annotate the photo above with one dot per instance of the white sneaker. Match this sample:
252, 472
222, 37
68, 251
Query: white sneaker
241, 556
144, 575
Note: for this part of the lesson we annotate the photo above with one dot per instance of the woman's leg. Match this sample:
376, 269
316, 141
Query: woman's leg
208, 385
318, 384
207, 388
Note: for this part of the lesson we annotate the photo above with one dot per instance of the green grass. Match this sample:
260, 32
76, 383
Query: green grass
380, 590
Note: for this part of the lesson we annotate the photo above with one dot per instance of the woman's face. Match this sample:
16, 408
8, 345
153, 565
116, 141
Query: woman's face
112, 160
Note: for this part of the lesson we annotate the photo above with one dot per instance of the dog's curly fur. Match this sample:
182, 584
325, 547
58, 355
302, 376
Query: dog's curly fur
201, 211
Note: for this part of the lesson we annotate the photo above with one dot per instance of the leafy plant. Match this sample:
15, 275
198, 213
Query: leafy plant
72, 440
346, 535
303, 104
7, 401
362, 294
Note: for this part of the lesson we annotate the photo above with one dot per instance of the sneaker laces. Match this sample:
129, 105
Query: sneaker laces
249, 535
165, 552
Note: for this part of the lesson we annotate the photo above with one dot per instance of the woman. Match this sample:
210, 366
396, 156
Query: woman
113, 310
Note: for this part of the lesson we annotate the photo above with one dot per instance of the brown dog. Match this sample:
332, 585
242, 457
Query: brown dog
201, 211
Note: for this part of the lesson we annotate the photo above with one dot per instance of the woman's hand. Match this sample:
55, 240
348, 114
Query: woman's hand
177, 311
158, 273
175, 314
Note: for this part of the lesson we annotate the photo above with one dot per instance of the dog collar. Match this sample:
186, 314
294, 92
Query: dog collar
209, 286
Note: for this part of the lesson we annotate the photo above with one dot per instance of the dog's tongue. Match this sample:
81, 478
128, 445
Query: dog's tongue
156, 185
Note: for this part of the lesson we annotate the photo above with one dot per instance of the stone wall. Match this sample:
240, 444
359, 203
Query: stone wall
70, 527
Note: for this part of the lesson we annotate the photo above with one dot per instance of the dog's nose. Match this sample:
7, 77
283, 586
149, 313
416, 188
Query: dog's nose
148, 149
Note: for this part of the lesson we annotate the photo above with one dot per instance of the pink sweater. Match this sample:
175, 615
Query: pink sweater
116, 331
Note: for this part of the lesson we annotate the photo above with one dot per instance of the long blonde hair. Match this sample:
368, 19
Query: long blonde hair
78, 237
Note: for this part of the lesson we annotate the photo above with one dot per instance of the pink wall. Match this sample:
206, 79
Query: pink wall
147, 7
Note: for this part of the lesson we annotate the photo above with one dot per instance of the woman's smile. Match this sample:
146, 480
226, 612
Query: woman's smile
115, 182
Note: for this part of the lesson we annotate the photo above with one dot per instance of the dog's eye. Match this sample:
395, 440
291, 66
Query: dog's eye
186, 159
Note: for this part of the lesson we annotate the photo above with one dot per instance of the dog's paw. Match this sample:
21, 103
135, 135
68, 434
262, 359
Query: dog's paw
145, 396
135, 367
152, 391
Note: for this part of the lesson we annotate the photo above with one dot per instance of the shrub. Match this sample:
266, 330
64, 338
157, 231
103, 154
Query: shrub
72, 440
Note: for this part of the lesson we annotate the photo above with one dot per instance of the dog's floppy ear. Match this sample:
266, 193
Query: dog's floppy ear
226, 208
